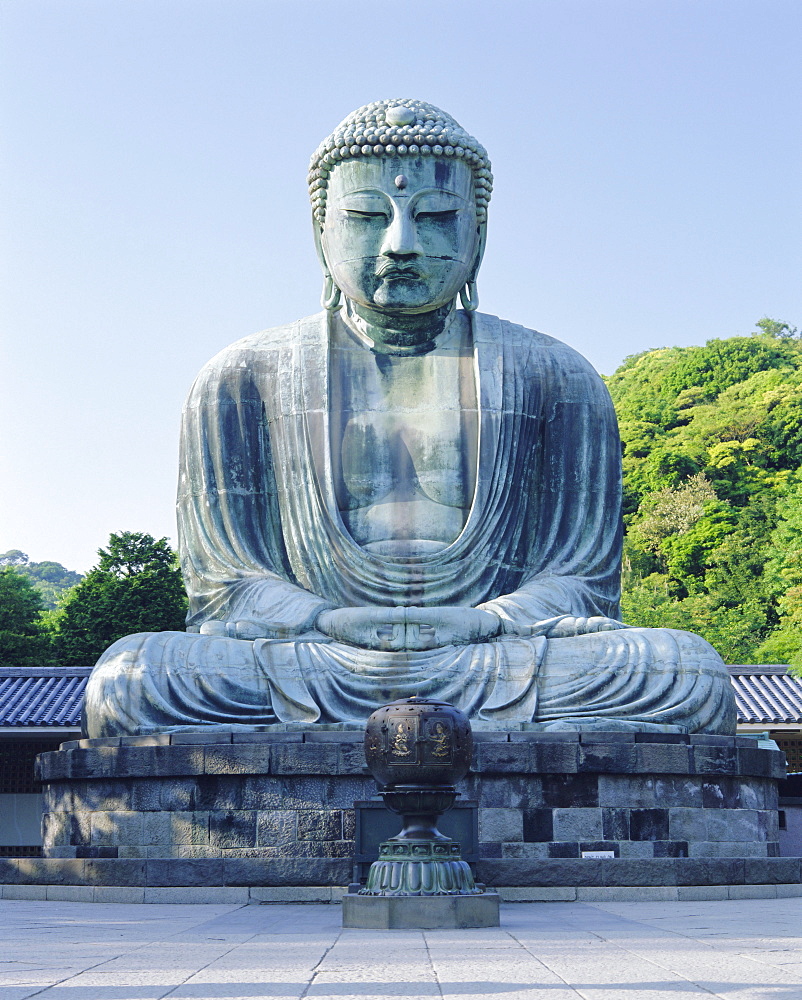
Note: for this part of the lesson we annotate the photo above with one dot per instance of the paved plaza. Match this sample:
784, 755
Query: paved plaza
734, 949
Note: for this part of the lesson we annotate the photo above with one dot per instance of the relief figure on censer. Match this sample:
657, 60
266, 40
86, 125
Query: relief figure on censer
401, 495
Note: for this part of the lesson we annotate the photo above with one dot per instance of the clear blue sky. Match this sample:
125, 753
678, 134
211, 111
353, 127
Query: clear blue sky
646, 157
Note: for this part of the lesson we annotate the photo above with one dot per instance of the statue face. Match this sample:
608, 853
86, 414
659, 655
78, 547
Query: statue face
401, 234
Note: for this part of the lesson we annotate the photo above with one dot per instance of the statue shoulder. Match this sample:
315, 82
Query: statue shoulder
539, 350
258, 352
286, 336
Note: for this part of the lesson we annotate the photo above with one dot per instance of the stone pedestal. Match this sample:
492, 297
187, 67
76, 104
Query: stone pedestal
421, 912
276, 804
639, 795
274, 808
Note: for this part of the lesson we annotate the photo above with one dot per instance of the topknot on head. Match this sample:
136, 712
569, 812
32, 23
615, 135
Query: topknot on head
399, 127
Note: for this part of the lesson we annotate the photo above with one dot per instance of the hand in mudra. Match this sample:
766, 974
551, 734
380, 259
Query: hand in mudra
568, 626
399, 629
251, 629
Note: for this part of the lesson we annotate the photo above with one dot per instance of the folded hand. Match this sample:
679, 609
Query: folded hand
398, 629
567, 626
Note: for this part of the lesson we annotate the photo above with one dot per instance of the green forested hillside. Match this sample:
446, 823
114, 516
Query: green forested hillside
712, 448
51, 579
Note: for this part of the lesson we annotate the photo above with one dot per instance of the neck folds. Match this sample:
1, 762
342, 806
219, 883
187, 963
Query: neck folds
398, 335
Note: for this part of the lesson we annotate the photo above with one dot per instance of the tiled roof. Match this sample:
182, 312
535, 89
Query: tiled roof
767, 695
42, 696
52, 696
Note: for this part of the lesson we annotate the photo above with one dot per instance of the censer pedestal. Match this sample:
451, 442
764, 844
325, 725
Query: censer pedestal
417, 749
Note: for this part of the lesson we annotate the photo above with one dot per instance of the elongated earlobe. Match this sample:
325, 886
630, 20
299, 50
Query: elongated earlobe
332, 296
469, 297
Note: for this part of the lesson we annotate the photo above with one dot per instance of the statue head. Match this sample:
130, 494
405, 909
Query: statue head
399, 196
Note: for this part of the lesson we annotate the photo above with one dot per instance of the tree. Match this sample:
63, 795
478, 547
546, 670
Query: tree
23, 639
783, 578
774, 328
51, 579
135, 587
673, 511
14, 557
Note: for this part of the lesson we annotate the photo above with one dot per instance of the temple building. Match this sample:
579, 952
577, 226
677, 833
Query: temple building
40, 708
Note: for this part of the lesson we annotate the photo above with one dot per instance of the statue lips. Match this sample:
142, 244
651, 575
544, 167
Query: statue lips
396, 272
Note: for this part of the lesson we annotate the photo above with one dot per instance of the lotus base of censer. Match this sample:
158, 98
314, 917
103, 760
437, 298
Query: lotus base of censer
420, 861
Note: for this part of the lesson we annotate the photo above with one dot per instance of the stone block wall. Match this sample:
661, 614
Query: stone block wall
284, 798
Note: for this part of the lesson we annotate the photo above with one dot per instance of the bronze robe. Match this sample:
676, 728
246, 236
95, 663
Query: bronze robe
261, 538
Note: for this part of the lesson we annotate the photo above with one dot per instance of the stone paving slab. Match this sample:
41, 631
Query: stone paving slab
729, 949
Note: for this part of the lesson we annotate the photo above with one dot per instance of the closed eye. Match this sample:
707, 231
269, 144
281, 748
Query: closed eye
356, 214
443, 215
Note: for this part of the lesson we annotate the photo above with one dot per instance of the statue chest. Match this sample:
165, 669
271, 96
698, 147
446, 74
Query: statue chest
403, 443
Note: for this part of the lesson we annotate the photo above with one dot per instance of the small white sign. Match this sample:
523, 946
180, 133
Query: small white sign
598, 854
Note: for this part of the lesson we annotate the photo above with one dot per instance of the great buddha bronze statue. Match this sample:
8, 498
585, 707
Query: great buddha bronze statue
398, 496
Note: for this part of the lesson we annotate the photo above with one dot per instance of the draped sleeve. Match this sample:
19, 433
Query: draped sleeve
233, 556
573, 528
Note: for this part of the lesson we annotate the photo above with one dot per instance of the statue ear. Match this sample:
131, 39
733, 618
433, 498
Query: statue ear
332, 296
468, 295
480, 250
318, 233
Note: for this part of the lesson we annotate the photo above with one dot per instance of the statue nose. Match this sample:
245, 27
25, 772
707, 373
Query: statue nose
401, 240
402, 256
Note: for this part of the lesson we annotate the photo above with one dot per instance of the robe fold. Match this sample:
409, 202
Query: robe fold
259, 530
261, 538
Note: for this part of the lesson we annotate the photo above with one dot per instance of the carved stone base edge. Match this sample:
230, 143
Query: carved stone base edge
336, 894
420, 912
525, 875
